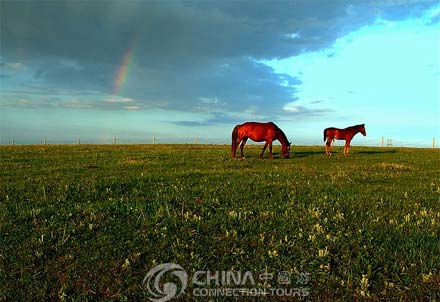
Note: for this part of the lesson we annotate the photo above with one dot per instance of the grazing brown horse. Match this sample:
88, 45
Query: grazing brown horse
259, 132
347, 134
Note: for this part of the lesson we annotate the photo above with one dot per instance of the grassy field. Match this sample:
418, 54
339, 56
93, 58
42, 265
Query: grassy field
88, 222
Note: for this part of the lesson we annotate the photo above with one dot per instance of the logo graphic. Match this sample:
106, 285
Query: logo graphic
284, 278
168, 280
160, 289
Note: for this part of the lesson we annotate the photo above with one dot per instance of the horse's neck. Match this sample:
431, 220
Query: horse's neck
354, 131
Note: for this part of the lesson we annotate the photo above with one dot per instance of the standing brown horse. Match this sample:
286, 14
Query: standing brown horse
347, 134
259, 132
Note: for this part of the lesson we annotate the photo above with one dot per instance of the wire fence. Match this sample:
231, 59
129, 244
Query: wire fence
156, 140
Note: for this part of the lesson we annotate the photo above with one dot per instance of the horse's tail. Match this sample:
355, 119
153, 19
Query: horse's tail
234, 141
325, 134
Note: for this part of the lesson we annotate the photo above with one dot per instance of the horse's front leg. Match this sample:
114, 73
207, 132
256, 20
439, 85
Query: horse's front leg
243, 142
346, 147
264, 149
327, 148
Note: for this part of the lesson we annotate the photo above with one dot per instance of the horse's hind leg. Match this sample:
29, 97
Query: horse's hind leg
243, 142
234, 146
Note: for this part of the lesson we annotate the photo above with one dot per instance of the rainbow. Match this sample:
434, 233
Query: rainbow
123, 70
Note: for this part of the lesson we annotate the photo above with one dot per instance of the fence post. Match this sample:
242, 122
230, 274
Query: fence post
383, 142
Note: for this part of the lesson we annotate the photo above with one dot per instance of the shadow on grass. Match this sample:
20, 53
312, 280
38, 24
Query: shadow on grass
306, 153
376, 152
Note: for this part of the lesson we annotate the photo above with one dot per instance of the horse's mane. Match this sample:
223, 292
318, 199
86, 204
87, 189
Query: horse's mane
282, 136
355, 126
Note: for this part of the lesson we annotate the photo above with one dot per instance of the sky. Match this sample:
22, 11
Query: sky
176, 70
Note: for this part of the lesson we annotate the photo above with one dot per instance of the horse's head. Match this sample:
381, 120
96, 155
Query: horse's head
285, 149
362, 129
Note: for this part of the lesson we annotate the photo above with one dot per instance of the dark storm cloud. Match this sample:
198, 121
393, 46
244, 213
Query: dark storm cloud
188, 55
216, 85
167, 31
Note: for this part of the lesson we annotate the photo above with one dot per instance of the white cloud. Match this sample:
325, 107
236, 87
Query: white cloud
117, 99
132, 107
76, 104
291, 107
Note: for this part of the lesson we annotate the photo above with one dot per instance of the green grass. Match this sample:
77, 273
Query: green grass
88, 222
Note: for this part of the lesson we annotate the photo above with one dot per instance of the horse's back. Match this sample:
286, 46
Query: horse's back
259, 124
333, 133
257, 131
